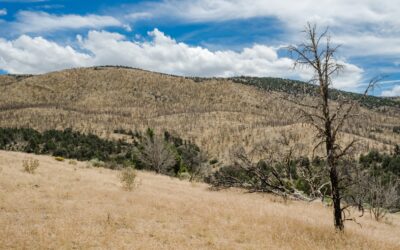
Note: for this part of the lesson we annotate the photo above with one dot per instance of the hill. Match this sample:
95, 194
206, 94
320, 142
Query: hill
298, 88
49, 209
217, 114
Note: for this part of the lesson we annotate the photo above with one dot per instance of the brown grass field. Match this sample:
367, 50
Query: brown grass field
66, 206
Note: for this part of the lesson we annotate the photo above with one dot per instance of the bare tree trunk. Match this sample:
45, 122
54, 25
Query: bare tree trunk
331, 157
337, 209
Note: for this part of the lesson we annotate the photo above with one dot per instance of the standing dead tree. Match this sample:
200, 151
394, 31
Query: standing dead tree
155, 154
326, 117
378, 190
381, 194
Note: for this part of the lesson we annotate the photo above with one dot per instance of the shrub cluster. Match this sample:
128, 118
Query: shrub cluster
170, 155
300, 174
382, 163
184, 156
63, 143
127, 177
373, 179
30, 165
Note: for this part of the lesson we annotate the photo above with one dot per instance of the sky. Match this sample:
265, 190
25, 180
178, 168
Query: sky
201, 37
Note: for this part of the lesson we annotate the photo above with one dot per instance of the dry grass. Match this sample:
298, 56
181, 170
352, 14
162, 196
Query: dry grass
66, 206
216, 114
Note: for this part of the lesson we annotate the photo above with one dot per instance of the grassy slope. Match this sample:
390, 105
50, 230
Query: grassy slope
217, 114
64, 206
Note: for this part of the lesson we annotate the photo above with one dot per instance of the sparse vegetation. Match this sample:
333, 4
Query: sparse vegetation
30, 165
297, 88
72, 162
127, 177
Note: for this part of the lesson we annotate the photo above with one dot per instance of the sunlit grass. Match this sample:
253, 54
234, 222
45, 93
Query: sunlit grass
66, 206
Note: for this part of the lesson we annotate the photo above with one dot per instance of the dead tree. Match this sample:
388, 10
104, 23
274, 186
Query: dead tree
318, 54
270, 175
380, 192
155, 154
382, 195
316, 178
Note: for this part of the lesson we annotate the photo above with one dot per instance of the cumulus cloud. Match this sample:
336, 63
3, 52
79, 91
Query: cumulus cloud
395, 91
350, 78
38, 55
164, 54
37, 22
161, 53
3, 12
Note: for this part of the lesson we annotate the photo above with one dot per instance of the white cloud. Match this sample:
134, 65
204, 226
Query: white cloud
360, 44
350, 78
292, 12
395, 91
138, 15
37, 55
164, 54
368, 26
161, 53
3, 12
36, 22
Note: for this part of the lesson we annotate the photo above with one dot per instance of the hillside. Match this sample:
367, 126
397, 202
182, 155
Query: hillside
298, 88
217, 114
49, 210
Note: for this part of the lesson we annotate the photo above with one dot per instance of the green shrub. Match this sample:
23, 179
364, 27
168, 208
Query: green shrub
59, 158
64, 143
97, 163
229, 176
127, 177
72, 162
184, 176
30, 165
213, 161
111, 165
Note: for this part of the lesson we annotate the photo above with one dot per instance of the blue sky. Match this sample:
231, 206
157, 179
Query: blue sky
200, 37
